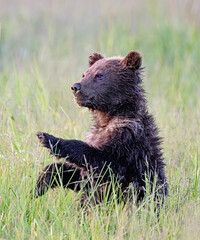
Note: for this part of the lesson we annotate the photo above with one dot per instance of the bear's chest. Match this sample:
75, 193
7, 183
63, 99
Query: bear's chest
99, 137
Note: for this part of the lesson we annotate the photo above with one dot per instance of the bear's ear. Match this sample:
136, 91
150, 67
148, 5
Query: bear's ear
94, 57
133, 60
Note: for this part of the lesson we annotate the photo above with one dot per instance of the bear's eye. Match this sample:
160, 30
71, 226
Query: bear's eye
83, 75
98, 75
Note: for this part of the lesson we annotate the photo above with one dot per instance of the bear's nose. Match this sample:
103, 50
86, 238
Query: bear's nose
76, 87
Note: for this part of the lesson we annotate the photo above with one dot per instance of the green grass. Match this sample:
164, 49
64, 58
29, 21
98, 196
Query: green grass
44, 48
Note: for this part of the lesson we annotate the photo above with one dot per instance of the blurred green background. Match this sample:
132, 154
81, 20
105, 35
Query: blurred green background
44, 48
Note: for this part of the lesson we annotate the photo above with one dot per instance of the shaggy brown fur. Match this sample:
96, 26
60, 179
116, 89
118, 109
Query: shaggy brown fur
124, 136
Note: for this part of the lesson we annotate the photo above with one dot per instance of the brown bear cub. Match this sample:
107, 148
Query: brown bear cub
123, 142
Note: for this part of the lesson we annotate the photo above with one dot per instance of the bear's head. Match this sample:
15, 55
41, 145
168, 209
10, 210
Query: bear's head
111, 85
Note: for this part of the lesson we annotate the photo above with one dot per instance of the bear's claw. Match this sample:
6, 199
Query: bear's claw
43, 139
40, 135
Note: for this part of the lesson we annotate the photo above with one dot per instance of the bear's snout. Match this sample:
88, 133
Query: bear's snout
76, 87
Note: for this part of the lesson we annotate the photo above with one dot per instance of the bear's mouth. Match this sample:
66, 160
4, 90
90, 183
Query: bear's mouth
85, 102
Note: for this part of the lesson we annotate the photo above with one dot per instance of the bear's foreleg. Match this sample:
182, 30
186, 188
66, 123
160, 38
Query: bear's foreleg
77, 151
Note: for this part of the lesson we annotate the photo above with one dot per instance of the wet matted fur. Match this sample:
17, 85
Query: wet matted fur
124, 136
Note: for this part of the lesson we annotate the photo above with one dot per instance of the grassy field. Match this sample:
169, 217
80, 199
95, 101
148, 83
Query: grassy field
44, 48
